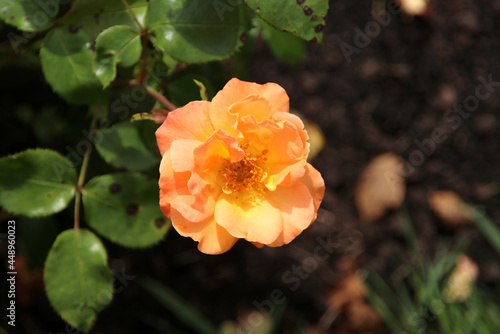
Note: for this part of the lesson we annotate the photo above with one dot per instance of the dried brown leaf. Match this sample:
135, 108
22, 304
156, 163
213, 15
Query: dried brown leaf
362, 317
458, 286
348, 297
380, 187
450, 208
349, 289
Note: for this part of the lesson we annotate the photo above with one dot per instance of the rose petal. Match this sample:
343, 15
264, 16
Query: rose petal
196, 208
257, 106
213, 239
236, 90
181, 152
259, 222
314, 182
172, 184
219, 148
281, 141
295, 120
297, 210
189, 122
211, 157
284, 147
164, 205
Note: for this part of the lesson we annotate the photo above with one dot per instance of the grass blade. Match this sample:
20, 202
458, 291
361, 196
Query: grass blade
178, 306
490, 231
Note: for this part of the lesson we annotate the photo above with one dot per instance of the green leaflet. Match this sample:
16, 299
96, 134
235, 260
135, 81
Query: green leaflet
124, 208
77, 280
29, 15
305, 19
94, 16
118, 44
66, 57
197, 31
36, 182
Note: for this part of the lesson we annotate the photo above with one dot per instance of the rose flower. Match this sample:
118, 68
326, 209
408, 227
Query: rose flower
235, 168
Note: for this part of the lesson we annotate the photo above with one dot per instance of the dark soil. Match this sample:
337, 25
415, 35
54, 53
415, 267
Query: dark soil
390, 96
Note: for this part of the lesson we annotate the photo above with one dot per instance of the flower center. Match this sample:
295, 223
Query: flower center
245, 177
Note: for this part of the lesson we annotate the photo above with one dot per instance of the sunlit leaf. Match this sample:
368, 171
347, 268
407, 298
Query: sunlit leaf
28, 15
118, 44
94, 16
77, 280
36, 182
124, 208
66, 57
304, 18
197, 31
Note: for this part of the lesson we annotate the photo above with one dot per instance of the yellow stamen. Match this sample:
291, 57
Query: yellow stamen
245, 178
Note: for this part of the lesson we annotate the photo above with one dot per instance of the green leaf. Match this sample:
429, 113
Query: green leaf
203, 90
175, 304
306, 19
36, 182
94, 16
77, 280
29, 15
66, 57
124, 208
197, 31
118, 44
123, 147
287, 47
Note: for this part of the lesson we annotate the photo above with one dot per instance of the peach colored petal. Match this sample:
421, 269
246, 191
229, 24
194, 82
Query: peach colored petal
189, 122
164, 205
296, 206
314, 182
219, 147
285, 174
236, 90
172, 184
296, 121
196, 184
211, 157
181, 152
260, 222
196, 208
284, 146
281, 141
254, 105
213, 239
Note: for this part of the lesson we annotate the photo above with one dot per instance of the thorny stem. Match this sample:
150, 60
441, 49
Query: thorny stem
162, 99
142, 76
83, 170
133, 15
144, 36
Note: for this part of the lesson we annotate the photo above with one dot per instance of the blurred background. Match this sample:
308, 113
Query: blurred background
403, 109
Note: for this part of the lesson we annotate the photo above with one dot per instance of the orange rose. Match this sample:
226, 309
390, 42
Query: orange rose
235, 168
